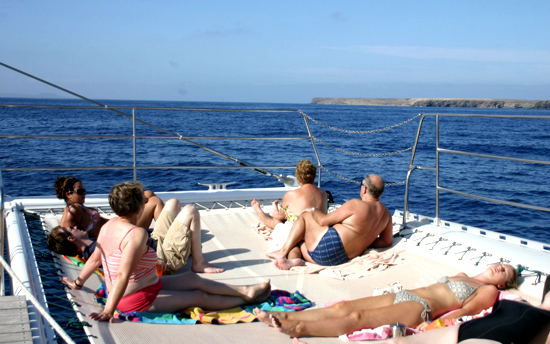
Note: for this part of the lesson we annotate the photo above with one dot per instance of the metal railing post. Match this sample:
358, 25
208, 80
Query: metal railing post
437, 170
134, 142
3, 229
409, 172
314, 147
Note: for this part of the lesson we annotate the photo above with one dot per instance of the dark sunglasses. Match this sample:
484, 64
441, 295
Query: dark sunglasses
79, 191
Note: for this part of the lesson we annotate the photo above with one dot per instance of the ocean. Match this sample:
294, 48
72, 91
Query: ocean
510, 181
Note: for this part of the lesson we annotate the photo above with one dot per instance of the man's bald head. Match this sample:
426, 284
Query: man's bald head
374, 185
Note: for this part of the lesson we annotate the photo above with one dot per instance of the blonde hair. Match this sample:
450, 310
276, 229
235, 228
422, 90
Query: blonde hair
306, 171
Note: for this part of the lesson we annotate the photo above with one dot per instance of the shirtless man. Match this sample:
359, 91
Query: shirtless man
296, 201
335, 238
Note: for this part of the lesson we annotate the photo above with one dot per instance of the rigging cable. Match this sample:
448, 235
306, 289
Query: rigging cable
240, 162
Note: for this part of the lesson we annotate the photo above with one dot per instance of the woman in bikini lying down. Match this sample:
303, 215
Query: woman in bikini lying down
509, 322
414, 308
72, 191
129, 265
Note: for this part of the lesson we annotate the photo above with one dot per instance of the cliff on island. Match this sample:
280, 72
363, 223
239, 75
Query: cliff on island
439, 102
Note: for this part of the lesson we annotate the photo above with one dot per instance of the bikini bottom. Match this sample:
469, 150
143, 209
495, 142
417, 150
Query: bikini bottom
404, 296
141, 300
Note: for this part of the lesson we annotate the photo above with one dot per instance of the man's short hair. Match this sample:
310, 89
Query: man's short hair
372, 189
58, 241
127, 198
306, 171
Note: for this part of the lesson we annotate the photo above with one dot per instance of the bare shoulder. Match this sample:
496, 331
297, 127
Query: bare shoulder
74, 209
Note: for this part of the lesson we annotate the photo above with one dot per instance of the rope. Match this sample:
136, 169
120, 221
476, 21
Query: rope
362, 154
359, 131
355, 181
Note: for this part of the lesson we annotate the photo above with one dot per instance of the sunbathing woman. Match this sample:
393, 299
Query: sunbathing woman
129, 266
87, 219
296, 201
467, 295
509, 322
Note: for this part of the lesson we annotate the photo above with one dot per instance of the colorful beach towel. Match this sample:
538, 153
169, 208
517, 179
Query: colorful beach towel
79, 261
278, 301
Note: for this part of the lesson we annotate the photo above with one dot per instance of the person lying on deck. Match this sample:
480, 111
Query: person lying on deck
176, 235
296, 201
414, 308
129, 265
335, 238
509, 322
72, 190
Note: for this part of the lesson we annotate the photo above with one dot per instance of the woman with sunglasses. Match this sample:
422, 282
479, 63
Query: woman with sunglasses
88, 219
130, 270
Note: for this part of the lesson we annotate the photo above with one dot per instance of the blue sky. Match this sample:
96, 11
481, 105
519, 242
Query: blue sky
277, 51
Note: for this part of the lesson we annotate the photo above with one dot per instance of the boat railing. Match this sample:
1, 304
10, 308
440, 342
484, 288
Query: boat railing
169, 135
436, 169
3, 229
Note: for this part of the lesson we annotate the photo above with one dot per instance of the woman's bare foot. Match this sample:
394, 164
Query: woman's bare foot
274, 208
257, 292
297, 341
256, 206
206, 267
285, 326
276, 254
262, 316
286, 264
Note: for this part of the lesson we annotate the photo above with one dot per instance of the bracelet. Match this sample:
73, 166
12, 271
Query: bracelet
76, 284
312, 209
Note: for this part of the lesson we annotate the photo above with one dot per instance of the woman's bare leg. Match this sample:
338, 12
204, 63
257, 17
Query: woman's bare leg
191, 281
173, 301
267, 220
407, 313
338, 310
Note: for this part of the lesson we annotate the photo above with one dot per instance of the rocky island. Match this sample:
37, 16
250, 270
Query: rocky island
439, 102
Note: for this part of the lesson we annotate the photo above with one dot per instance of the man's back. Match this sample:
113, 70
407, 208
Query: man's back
366, 221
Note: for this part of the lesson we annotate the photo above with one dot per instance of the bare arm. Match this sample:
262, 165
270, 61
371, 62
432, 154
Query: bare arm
69, 217
338, 216
89, 268
484, 298
385, 238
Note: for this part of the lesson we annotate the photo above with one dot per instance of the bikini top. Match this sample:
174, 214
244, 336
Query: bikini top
146, 265
461, 290
94, 217
289, 216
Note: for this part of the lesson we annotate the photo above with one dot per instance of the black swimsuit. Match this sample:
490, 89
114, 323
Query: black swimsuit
511, 322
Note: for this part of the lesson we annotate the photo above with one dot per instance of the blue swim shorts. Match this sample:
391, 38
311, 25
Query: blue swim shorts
330, 250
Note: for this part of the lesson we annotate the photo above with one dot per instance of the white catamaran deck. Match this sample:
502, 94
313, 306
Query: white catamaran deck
229, 241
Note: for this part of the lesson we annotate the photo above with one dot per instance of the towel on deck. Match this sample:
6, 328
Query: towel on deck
278, 301
364, 265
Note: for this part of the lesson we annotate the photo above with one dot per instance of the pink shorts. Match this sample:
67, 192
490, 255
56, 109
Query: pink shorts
141, 300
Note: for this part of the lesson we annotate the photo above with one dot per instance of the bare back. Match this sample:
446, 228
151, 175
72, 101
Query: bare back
362, 222
305, 197
117, 234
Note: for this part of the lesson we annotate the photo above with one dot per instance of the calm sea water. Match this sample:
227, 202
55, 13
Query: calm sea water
514, 182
